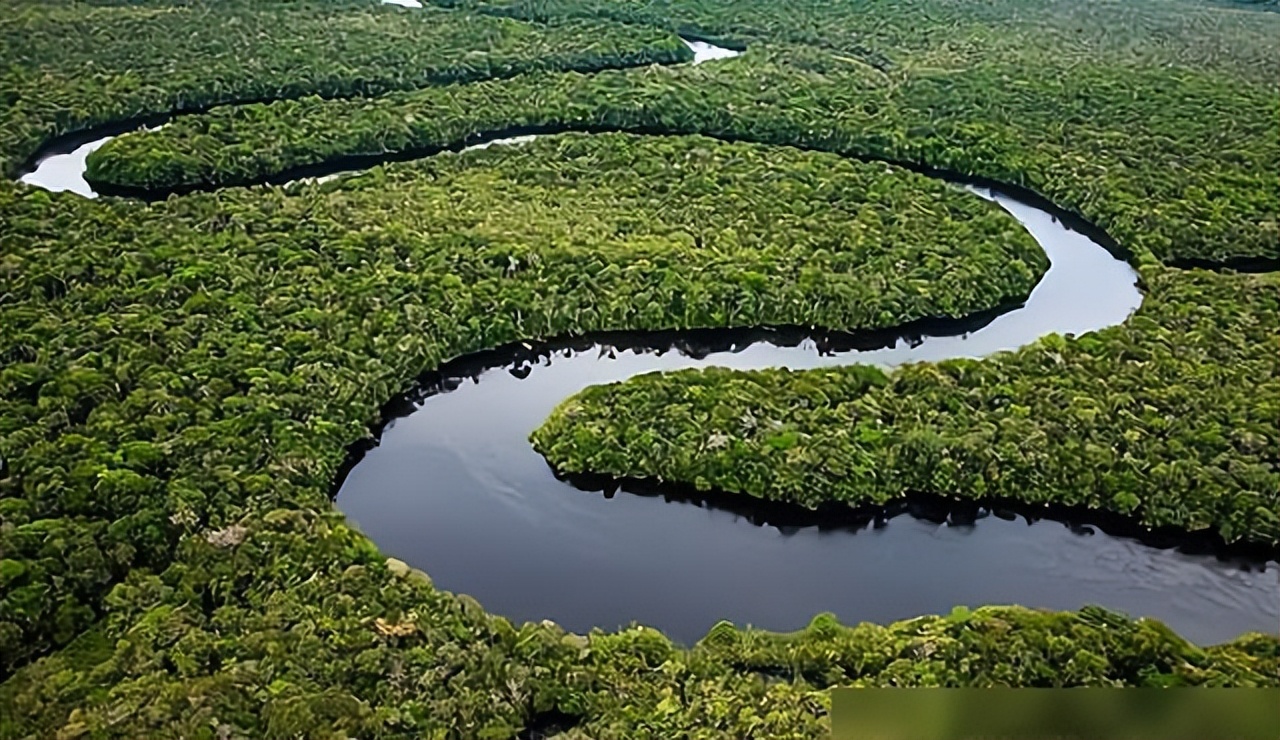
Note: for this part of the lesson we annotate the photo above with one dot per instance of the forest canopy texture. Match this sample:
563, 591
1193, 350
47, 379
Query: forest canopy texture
186, 361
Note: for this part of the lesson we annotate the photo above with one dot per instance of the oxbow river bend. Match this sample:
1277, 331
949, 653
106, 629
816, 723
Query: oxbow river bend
455, 488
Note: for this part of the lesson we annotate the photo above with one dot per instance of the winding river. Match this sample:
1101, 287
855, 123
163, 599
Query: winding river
455, 488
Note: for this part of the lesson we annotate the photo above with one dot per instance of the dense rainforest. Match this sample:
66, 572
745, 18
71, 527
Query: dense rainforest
1147, 419
1200, 148
132, 61
184, 372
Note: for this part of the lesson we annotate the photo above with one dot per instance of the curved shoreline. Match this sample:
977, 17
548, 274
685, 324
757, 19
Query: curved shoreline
938, 508
457, 491
700, 344
357, 163
920, 506
696, 343
66, 143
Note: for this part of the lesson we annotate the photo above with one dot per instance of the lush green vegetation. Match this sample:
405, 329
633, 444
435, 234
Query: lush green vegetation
1101, 141
919, 33
180, 380
131, 60
217, 313
301, 631
1173, 418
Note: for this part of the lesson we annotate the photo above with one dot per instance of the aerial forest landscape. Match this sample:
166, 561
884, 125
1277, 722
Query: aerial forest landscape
635, 369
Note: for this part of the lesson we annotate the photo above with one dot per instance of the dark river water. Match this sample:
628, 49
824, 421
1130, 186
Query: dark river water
455, 489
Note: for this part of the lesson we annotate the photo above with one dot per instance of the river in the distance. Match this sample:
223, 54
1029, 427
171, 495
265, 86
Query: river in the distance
61, 169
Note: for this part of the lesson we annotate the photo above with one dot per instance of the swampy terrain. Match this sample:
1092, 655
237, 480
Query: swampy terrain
576, 368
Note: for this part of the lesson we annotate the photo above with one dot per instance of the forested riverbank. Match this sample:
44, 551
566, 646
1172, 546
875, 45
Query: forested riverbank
1105, 166
155, 59
1127, 419
182, 379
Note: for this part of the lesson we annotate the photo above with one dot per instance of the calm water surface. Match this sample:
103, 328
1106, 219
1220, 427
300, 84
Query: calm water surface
455, 489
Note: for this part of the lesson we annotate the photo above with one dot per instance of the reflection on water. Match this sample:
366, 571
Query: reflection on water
64, 171
455, 489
